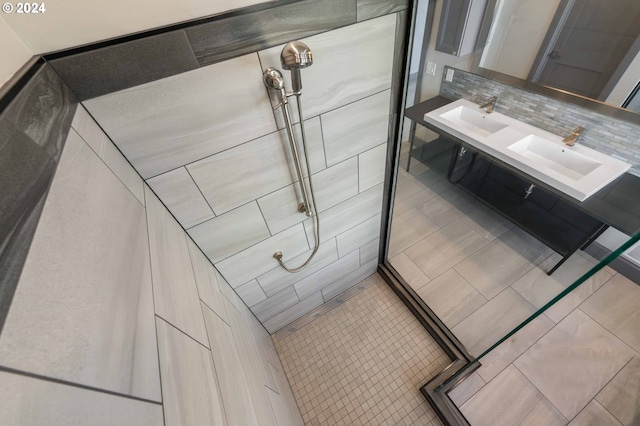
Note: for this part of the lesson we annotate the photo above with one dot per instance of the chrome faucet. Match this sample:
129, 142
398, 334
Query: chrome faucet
489, 104
573, 137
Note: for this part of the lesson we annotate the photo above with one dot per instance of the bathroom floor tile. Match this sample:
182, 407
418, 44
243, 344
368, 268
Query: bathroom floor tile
465, 390
409, 228
451, 297
492, 321
594, 414
573, 362
615, 306
510, 399
409, 271
621, 397
539, 288
507, 352
448, 206
486, 222
502, 262
445, 248
362, 363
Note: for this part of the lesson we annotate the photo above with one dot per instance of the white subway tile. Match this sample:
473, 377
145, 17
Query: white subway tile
258, 259
293, 313
331, 186
208, 280
121, 167
347, 214
231, 232
180, 194
323, 278
175, 293
348, 281
231, 375
369, 251
242, 174
356, 127
174, 121
251, 293
371, 167
324, 89
275, 304
189, 384
29, 401
89, 130
278, 279
359, 235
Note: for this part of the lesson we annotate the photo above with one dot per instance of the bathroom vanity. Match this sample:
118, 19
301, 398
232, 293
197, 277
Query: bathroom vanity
562, 211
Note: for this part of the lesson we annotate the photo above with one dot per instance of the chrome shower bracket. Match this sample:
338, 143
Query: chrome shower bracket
294, 56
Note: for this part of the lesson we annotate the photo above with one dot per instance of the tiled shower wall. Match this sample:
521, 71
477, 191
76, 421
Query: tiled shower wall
118, 318
205, 138
606, 134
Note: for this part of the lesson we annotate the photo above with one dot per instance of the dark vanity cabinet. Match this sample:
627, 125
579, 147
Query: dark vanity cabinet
546, 216
562, 223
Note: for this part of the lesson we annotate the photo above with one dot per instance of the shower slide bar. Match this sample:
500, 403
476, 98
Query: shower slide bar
295, 56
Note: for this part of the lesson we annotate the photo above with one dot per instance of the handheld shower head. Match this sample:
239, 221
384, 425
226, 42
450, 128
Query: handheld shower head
295, 56
273, 79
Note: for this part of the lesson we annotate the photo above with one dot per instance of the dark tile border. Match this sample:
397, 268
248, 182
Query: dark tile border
129, 61
33, 129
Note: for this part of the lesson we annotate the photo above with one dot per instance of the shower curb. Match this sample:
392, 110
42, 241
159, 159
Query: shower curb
437, 388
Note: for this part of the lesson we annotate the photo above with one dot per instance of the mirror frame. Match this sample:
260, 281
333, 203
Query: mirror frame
558, 94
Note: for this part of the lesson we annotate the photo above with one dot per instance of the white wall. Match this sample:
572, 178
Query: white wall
71, 23
14, 52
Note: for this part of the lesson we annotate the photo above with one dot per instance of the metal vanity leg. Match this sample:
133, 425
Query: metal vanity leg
583, 244
412, 135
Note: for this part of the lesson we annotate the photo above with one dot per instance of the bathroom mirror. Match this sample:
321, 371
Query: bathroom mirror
581, 51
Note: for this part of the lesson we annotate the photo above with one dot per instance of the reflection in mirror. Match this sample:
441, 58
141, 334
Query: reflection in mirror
585, 47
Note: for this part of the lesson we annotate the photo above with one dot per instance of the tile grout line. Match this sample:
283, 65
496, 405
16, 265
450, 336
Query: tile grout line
192, 338
541, 393
153, 297
201, 193
261, 136
76, 385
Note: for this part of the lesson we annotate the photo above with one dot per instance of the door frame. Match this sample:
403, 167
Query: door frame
550, 39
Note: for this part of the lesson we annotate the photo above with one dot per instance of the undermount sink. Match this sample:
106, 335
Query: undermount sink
558, 157
474, 119
577, 171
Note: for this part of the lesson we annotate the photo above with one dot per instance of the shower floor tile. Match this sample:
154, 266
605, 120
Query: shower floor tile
363, 363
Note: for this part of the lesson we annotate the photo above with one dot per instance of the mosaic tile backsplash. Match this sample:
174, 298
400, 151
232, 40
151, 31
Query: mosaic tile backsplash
614, 137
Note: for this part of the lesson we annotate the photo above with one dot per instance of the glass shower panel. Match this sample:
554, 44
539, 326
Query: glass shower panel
588, 356
472, 244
